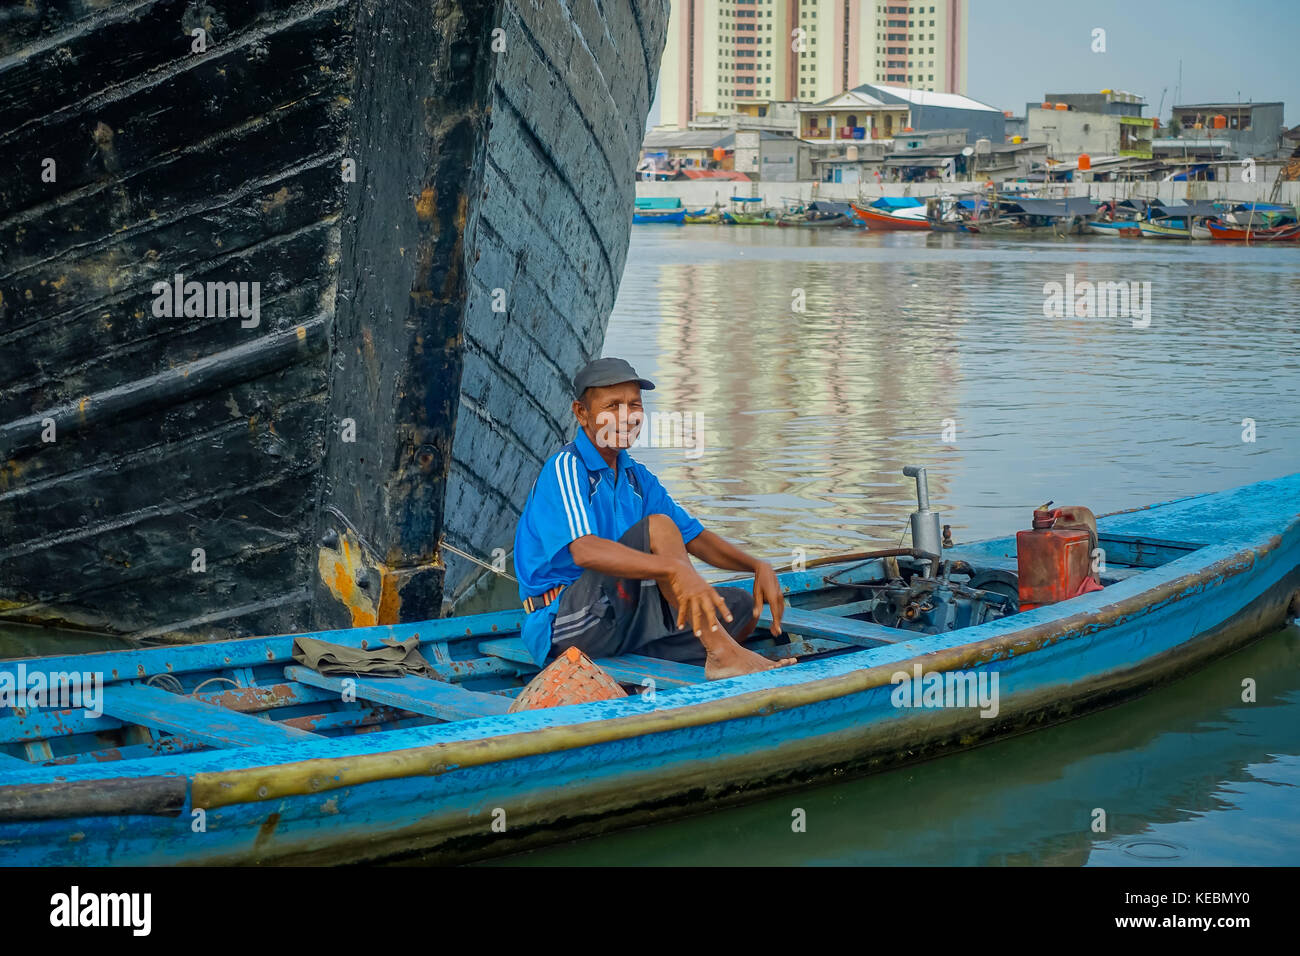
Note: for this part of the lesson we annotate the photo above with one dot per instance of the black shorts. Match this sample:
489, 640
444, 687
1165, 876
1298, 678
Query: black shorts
605, 616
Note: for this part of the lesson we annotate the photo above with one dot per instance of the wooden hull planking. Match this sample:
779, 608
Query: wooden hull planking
382, 402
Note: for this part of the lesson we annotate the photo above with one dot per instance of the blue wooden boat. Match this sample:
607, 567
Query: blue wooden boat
229, 752
659, 209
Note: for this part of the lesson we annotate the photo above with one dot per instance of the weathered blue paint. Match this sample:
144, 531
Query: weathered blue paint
551, 774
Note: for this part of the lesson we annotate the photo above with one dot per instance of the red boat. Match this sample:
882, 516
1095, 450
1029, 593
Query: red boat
884, 220
1286, 233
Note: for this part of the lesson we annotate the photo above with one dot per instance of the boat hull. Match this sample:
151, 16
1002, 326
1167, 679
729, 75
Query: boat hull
830, 222
999, 229
673, 217
885, 222
559, 774
376, 173
1153, 230
1115, 230
1225, 233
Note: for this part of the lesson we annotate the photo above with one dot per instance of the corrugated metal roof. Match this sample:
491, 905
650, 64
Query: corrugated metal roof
1219, 106
920, 161
953, 101
683, 139
853, 98
725, 174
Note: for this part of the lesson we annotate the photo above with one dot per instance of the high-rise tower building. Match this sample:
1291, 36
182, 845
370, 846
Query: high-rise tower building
722, 54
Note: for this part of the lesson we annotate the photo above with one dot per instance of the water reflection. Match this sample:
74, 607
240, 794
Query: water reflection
21, 640
812, 415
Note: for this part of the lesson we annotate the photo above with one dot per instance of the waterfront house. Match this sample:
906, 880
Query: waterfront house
928, 110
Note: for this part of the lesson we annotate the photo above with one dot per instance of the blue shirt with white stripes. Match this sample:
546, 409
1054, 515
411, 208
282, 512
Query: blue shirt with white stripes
577, 494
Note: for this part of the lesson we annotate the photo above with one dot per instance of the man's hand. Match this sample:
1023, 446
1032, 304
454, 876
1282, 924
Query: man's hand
697, 602
767, 590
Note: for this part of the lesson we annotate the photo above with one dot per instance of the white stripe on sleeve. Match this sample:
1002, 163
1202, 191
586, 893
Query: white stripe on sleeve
579, 507
564, 495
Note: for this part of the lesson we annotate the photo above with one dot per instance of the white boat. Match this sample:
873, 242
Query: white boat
1120, 228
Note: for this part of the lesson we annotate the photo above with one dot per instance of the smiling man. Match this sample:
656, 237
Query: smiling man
603, 552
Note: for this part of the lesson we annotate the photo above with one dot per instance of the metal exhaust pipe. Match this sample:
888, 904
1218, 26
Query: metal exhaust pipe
926, 535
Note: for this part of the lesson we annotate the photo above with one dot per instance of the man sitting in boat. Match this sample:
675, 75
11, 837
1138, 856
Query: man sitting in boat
603, 552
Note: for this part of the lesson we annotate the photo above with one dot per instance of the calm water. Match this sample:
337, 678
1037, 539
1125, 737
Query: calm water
809, 419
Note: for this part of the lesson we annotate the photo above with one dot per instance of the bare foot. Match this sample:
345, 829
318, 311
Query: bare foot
734, 660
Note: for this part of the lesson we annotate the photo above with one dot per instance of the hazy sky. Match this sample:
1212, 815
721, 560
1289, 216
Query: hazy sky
1020, 49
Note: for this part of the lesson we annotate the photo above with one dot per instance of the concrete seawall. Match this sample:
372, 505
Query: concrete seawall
697, 194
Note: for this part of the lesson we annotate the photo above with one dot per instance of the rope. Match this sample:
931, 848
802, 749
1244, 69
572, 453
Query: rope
481, 563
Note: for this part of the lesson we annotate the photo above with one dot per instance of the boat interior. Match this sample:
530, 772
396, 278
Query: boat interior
171, 699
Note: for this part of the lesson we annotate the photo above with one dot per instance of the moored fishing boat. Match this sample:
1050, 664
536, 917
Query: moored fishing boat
1259, 215
1117, 229
1023, 216
818, 215
748, 211
712, 215
839, 221
893, 214
283, 766
1181, 221
1225, 233
289, 326
954, 213
659, 209
1171, 227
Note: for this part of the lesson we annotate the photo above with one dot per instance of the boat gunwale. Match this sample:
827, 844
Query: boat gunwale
217, 788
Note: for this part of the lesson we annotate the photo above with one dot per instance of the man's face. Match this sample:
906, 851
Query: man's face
611, 415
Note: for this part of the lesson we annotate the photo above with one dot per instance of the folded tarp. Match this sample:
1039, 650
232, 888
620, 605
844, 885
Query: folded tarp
394, 659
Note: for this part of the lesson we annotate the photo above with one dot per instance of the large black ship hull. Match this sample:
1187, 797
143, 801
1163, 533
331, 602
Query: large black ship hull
426, 209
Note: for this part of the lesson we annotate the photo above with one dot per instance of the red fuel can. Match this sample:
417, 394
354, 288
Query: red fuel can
1055, 564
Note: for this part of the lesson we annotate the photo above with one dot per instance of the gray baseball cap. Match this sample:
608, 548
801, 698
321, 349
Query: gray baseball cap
606, 371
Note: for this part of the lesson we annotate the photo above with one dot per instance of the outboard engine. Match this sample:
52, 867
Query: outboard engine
917, 589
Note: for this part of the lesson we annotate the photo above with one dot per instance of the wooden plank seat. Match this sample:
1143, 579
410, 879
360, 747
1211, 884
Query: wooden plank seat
508, 649
798, 647
841, 629
212, 725
626, 669
419, 695
636, 669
